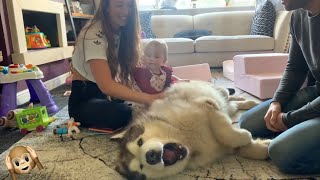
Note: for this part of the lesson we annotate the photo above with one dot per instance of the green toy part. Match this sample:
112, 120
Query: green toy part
31, 119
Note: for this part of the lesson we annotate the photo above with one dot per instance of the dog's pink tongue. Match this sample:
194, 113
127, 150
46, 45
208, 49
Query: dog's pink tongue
169, 155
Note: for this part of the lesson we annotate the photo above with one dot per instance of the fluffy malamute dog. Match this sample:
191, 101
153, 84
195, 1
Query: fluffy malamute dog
190, 128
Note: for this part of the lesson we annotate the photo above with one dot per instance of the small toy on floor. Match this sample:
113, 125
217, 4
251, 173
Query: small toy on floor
103, 130
31, 119
21, 160
67, 93
10, 120
67, 129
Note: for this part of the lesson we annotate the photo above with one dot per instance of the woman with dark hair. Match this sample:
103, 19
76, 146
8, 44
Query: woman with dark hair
105, 56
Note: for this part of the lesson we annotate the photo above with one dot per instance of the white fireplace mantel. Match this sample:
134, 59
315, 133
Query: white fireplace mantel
36, 57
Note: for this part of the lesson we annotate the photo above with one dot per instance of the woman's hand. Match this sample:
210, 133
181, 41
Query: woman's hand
272, 115
153, 97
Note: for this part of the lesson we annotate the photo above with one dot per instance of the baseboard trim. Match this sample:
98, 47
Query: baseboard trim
24, 96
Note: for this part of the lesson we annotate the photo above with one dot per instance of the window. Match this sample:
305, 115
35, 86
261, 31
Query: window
184, 4
147, 4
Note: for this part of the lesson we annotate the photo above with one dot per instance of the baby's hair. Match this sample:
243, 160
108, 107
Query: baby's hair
158, 43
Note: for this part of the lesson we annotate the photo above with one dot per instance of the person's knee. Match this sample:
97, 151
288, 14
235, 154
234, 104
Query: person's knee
280, 157
245, 122
124, 115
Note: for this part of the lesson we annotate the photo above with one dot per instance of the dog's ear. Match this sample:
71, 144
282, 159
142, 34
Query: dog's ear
119, 136
133, 132
129, 134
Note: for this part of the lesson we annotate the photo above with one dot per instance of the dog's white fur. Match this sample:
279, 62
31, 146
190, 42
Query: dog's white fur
197, 116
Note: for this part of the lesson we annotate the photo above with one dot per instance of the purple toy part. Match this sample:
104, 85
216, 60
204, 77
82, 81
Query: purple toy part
33, 95
44, 95
8, 98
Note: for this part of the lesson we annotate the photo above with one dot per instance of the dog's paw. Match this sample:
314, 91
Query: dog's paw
244, 138
264, 142
236, 98
257, 149
248, 104
207, 102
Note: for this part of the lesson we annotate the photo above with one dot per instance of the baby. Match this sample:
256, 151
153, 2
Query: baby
154, 76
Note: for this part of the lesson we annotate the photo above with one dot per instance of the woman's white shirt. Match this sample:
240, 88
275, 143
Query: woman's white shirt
91, 44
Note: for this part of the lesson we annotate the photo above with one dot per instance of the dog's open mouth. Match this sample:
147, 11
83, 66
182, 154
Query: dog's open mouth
173, 152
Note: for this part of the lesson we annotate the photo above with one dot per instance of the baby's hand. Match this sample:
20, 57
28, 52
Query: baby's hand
183, 80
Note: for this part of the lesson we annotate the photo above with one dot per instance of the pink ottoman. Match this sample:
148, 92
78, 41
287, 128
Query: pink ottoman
259, 74
228, 69
193, 72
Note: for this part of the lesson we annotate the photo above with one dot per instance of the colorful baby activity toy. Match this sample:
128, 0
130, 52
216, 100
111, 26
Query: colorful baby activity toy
10, 75
31, 119
36, 39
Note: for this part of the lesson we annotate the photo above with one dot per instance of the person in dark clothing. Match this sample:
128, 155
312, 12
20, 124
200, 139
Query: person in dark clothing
292, 116
106, 54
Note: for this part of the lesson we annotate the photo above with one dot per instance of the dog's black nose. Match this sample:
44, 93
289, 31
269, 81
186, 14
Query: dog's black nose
153, 157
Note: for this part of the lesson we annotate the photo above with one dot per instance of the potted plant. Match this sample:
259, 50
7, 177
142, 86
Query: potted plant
194, 3
227, 2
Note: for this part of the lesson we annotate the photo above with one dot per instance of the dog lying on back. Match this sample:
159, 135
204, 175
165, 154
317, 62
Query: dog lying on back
190, 128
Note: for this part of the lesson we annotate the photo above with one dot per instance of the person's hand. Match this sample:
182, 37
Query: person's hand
183, 80
153, 97
272, 115
8, 163
278, 124
33, 154
158, 96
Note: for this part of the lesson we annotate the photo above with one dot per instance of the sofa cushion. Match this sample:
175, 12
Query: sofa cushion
166, 26
145, 22
176, 45
193, 34
225, 23
277, 4
234, 43
264, 19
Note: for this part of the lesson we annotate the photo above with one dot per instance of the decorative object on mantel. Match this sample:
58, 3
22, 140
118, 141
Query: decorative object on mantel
36, 39
75, 7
